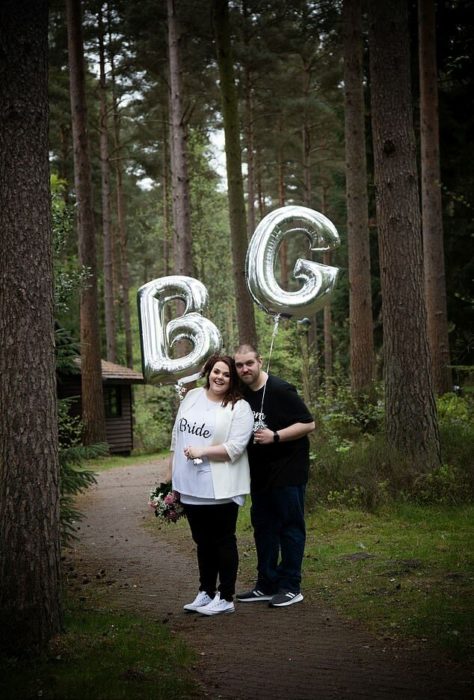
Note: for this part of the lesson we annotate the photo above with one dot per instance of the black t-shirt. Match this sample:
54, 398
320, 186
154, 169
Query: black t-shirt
282, 463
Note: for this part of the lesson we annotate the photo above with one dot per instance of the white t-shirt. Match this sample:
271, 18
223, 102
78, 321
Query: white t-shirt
196, 428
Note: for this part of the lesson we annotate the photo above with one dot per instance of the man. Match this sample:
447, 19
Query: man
279, 465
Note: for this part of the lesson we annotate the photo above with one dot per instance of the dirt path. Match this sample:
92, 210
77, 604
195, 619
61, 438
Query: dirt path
299, 653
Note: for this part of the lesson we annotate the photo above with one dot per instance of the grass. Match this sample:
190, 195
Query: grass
103, 655
407, 573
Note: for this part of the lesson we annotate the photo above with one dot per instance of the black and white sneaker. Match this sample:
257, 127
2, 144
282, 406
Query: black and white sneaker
281, 600
253, 595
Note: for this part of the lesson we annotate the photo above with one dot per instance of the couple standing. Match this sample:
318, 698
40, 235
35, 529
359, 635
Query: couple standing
210, 469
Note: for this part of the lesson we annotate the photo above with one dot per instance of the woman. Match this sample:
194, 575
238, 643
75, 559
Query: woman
211, 472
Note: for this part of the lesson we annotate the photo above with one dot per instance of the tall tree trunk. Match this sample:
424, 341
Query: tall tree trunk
258, 171
109, 292
411, 422
30, 600
313, 349
306, 139
283, 250
327, 330
250, 154
307, 183
313, 342
179, 162
249, 131
91, 380
360, 300
435, 280
238, 226
327, 313
124, 277
166, 223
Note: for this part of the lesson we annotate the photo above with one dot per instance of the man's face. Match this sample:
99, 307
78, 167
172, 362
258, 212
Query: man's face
249, 366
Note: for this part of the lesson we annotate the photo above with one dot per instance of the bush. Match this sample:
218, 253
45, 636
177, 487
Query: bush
367, 476
342, 418
74, 478
154, 410
352, 466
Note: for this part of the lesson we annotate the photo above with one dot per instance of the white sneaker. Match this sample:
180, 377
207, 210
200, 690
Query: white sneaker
217, 606
201, 599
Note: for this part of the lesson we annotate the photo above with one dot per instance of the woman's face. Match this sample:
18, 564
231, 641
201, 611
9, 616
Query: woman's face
219, 379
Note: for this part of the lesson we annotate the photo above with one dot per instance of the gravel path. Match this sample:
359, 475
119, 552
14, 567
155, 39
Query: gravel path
302, 652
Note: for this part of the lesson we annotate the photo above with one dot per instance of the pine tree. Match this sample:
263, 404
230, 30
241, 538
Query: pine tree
411, 422
30, 601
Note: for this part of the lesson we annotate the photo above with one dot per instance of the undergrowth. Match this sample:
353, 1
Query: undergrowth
352, 465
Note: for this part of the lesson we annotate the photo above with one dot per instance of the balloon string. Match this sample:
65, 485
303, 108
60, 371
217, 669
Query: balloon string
276, 322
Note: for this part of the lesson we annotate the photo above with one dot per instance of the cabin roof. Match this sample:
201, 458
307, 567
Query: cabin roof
112, 371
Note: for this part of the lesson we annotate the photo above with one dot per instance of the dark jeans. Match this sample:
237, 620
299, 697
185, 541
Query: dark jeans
280, 536
213, 530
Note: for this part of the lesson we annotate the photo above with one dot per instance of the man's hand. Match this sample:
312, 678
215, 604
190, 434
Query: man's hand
263, 436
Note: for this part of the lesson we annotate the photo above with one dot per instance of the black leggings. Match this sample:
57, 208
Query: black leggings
213, 530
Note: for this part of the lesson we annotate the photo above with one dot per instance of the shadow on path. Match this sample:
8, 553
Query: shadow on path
303, 652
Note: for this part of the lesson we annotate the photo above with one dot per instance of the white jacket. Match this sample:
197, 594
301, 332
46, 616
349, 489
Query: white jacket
233, 429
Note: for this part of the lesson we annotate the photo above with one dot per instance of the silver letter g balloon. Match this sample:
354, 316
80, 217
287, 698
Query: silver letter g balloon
318, 279
158, 337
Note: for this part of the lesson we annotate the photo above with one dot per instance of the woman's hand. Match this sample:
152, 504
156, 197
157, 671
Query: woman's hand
194, 452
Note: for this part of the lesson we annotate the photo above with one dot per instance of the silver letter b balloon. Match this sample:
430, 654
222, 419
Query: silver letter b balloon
318, 279
158, 337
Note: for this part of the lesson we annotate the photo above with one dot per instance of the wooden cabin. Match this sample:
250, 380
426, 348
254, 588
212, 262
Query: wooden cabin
117, 382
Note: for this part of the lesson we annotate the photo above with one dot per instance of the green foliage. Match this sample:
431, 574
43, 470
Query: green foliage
352, 466
456, 425
154, 410
66, 350
452, 407
404, 572
74, 476
341, 414
69, 276
104, 654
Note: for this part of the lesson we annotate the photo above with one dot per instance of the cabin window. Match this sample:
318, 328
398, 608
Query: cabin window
113, 401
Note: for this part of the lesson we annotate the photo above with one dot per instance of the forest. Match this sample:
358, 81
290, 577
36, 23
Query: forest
140, 140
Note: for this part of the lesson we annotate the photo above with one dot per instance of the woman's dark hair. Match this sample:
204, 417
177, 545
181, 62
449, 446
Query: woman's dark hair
233, 393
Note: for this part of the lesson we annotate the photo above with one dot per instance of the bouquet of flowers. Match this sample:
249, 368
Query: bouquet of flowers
165, 502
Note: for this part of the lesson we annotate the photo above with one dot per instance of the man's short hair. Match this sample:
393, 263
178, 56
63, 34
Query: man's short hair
245, 348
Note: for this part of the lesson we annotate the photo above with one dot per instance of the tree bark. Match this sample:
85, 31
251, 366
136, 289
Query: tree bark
249, 130
179, 163
362, 357
411, 422
283, 250
124, 277
435, 279
166, 224
238, 226
327, 331
250, 155
91, 377
30, 600
109, 291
